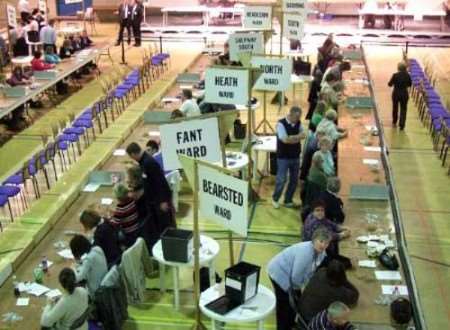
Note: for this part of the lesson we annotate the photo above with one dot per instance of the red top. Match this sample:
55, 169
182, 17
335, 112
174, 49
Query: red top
39, 65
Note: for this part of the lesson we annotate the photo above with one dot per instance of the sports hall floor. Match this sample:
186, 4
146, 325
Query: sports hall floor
421, 183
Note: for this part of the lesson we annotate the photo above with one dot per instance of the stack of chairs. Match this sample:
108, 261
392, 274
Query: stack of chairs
433, 113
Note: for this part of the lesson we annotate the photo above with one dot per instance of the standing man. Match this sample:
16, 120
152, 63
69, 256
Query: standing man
289, 135
137, 15
125, 21
157, 194
401, 81
23, 7
48, 36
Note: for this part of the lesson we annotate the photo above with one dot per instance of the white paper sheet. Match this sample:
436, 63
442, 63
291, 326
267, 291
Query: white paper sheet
91, 187
106, 201
23, 287
388, 275
368, 161
66, 254
22, 301
53, 293
374, 149
367, 263
119, 152
371, 128
390, 289
37, 289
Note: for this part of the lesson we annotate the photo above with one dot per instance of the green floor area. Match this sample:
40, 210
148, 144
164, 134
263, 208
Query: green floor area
422, 185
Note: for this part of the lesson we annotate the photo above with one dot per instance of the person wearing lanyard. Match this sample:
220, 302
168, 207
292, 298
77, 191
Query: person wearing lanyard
137, 15
290, 271
124, 20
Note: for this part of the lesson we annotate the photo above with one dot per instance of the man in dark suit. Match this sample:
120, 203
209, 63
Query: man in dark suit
124, 20
157, 193
401, 81
137, 15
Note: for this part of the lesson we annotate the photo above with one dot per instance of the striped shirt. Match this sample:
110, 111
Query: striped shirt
126, 216
321, 322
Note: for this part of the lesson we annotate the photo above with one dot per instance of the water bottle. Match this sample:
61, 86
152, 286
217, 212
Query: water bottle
16, 286
44, 264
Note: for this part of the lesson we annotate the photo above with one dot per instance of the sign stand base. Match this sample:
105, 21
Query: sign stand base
264, 122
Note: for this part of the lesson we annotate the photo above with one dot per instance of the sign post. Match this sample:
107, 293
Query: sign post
275, 76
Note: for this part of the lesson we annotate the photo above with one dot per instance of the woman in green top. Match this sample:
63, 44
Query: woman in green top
316, 182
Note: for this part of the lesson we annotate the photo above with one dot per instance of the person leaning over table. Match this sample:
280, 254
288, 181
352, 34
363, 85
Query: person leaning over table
125, 215
311, 146
66, 50
68, 312
317, 219
325, 147
314, 89
91, 265
189, 107
48, 35
24, 10
101, 232
326, 286
50, 57
335, 317
401, 81
289, 136
315, 183
328, 124
291, 269
334, 207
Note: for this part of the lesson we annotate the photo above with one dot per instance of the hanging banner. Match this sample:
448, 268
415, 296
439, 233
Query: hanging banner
194, 138
12, 17
72, 1
223, 199
43, 6
276, 73
294, 26
258, 17
245, 43
294, 6
226, 86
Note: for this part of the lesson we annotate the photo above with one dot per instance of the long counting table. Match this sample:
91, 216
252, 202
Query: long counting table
65, 68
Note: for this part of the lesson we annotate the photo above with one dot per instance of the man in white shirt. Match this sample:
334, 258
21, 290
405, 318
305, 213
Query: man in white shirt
189, 107
24, 9
48, 35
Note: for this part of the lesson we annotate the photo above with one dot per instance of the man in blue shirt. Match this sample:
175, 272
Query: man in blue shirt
48, 36
289, 135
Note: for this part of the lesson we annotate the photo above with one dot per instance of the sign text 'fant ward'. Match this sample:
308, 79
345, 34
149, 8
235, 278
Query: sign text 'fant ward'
195, 135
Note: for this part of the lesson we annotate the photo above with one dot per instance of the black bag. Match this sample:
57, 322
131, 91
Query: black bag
388, 260
301, 67
273, 163
204, 279
401, 311
239, 129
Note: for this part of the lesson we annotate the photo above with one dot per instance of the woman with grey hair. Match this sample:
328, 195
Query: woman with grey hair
336, 316
334, 207
401, 81
291, 269
328, 124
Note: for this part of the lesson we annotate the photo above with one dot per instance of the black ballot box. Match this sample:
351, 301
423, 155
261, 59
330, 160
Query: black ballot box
177, 245
241, 282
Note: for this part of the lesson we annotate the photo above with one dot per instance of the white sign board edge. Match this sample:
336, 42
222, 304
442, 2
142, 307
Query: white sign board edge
223, 199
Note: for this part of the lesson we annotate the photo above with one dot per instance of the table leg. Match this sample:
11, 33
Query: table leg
165, 18
176, 287
162, 282
145, 21
212, 273
255, 164
261, 325
360, 21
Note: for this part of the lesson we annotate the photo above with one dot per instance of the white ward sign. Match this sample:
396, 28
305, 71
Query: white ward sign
226, 86
194, 138
223, 199
276, 73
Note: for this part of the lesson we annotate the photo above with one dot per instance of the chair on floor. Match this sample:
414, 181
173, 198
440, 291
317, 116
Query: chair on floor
13, 192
